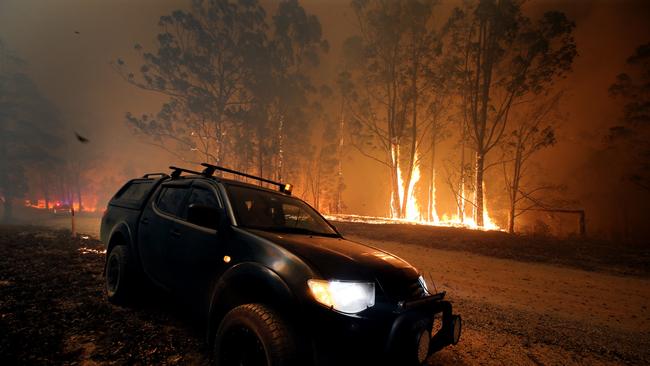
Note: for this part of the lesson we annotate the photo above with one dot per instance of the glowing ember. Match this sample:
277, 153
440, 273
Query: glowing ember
85, 250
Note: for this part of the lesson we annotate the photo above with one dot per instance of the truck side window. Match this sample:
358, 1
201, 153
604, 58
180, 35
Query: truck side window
171, 199
203, 197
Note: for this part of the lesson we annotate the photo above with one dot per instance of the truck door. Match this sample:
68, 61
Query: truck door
197, 255
158, 228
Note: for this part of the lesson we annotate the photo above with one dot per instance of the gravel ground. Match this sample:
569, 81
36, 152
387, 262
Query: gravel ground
53, 310
591, 254
520, 313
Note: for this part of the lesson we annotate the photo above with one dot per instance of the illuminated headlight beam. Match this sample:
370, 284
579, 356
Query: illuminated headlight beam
345, 296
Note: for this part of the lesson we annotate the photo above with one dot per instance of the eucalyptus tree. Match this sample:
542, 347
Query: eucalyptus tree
237, 83
503, 56
201, 65
532, 132
399, 42
295, 46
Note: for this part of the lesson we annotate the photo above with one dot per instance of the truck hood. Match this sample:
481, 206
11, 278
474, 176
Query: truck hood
342, 259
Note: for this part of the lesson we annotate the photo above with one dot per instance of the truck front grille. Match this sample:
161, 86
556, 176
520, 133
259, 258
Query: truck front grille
403, 291
415, 290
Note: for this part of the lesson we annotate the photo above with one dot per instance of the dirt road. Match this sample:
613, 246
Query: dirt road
529, 313
53, 311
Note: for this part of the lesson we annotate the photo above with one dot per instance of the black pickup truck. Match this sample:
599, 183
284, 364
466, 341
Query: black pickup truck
278, 284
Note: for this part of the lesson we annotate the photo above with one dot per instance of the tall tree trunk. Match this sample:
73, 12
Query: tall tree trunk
514, 193
219, 141
511, 217
432, 214
414, 136
480, 165
396, 208
480, 102
461, 181
260, 157
339, 173
409, 175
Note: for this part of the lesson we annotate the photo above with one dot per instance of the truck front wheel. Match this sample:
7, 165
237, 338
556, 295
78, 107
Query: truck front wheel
119, 275
254, 335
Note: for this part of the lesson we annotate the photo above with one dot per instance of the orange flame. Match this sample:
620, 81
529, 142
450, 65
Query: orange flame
89, 204
412, 207
413, 214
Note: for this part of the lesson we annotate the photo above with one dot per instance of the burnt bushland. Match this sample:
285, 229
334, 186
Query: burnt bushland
53, 309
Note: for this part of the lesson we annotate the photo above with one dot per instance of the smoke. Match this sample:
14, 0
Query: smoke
68, 46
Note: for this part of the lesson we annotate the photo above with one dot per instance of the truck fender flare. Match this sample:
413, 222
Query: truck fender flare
121, 229
246, 281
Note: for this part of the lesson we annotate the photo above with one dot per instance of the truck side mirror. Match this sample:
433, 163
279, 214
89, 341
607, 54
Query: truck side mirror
206, 216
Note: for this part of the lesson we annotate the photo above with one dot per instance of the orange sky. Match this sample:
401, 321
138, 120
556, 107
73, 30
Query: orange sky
74, 71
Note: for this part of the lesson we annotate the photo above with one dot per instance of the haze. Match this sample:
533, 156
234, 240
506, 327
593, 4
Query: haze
70, 49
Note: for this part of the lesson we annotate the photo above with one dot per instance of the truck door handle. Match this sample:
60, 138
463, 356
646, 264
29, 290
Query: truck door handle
175, 233
144, 221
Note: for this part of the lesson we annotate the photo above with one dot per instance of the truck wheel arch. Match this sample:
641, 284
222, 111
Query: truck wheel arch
245, 283
120, 235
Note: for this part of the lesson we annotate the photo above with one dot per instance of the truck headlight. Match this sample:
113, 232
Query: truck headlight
344, 296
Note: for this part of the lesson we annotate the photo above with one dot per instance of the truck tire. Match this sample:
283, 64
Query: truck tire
119, 276
254, 335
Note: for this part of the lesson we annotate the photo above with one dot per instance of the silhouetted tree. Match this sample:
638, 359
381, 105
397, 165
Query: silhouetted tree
200, 64
532, 131
503, 56
295, 47
238, 84
399, 42
324, 180
633, 87
29, 128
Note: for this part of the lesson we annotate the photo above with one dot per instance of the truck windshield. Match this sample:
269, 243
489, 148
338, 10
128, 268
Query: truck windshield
263, 210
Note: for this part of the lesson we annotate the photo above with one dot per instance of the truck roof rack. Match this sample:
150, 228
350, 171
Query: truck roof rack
210, 169
163, 175
178, 171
